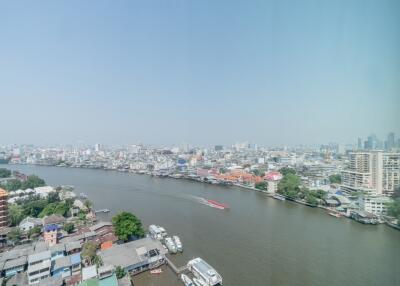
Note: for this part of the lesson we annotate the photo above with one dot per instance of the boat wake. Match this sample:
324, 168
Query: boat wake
211, 203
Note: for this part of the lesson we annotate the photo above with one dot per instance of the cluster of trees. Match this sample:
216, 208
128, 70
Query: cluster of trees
127, 226
31, 182
335, 179
5, 173
290, 186
35, 206
261, 185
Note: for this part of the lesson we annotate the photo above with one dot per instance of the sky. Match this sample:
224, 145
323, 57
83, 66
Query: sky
201, 72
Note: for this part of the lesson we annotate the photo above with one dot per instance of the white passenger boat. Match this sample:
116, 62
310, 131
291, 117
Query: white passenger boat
186, 280
170, 245
157, 232
203, 271
178, 243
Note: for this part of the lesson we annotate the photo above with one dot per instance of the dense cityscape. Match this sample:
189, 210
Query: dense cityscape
200, 143
41, 223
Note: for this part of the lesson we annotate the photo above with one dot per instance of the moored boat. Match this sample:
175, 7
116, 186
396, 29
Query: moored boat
156, 271
178, 243
279, 197
170, 245
203, 271
335, 214
186, 280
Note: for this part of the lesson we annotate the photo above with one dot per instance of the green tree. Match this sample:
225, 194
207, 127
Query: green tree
120, 272
335, 179
14, 235
34, 207
53, 197
32, 182
261, 185
35, 231
310, 199
127, 225
12, 185
286, 170
69, 227
5, 173
15, 214
289, 185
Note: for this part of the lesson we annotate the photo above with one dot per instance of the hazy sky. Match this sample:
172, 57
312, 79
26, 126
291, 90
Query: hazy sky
203, 72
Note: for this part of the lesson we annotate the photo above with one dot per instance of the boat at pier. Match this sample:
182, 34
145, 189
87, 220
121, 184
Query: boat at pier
335, 214
156, 271
279, 197
186, 280
157, 232
178, 243
203, 271
170, 245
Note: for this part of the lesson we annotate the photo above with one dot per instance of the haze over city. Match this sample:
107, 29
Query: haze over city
203, 72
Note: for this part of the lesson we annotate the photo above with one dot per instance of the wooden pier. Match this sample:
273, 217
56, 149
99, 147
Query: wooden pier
177, 270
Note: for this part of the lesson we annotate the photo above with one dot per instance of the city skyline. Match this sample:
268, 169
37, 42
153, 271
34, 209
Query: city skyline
207, 73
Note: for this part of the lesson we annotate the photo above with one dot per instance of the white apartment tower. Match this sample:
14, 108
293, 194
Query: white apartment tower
373, 172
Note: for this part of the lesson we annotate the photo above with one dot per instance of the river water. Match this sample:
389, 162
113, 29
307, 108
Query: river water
259, 241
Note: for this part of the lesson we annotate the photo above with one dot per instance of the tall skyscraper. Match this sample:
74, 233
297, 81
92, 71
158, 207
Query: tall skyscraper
390, 143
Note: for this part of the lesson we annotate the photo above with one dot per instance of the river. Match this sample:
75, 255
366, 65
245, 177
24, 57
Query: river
259, 241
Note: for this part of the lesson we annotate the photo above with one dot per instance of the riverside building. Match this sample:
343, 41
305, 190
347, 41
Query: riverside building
372, 172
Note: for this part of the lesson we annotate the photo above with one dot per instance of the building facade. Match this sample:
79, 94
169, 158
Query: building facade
3, 208
372, 172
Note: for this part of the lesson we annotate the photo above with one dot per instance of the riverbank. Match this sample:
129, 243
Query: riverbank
249, 243
224, 184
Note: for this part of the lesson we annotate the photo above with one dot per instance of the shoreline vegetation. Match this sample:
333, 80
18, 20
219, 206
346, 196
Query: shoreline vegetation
289, 188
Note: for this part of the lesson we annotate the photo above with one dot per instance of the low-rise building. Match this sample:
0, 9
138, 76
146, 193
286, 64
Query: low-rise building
30, 222
39, 265
376, 205
135, 256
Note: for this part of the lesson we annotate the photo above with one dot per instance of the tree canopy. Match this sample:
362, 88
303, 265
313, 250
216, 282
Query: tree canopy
289, 185
335, 179
127, 225
286, 170
5, 173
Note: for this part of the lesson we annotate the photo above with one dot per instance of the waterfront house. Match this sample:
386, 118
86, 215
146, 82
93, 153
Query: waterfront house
135, 256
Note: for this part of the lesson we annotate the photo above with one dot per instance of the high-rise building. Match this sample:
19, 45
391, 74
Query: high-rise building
374, 172
3, 208
359, 144
390, 143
